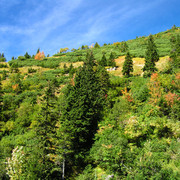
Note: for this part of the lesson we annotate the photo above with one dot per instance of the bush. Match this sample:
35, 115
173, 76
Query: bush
3, 59
3, 65
139, 89
21, 58
31, 70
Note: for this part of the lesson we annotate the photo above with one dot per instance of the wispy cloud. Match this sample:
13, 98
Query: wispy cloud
36, 25
52, 24
106, 20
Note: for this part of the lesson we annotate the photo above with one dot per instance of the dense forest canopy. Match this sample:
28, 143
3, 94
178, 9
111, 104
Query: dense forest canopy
96, 112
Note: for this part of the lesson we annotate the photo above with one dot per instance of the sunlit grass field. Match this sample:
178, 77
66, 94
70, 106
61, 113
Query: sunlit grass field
138, 64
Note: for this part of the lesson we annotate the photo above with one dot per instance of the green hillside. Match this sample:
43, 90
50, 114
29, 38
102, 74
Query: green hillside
136, 47
105, 112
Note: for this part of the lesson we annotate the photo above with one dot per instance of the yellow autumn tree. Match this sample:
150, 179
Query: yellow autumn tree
63, 50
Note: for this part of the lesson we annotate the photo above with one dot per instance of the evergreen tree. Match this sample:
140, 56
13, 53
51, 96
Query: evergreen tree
90, 60
151, 57
111, 61
38, 51
81, 114
128, 65
103, 61
27, 56
71, 70
175, 53
124, 46
82, 47
103, 77
65, 69
46, 134
2, 58
96, 45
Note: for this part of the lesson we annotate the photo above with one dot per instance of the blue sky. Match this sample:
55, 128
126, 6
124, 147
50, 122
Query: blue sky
26, 25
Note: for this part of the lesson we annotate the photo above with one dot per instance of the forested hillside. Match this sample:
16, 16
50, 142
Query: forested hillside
96, 112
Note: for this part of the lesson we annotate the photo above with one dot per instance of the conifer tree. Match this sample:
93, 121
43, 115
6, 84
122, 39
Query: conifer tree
96, 45
90, 60
151, 57
38, 51
175, 53
81, 114
82, 47
110, 61
46, 133
103, 61
2, 58
128, 65
27, 56
124, 46
103, 77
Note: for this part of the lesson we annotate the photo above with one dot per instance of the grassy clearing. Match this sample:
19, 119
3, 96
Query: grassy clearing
162, 63
24, 70
75, 65
138, 64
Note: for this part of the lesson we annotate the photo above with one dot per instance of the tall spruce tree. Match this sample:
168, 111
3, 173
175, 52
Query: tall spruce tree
81, 114
175, 53
104, 81
46, 134
151, 57
103, 61
110, 61
128, 65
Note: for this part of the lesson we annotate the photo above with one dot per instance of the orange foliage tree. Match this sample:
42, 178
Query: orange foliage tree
171, 98
127, 95
155, 88
39, 56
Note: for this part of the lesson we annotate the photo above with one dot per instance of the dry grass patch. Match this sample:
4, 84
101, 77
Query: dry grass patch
162, 63
75, 65
119, 62
5, 63
6, 69
24, 70
138, 64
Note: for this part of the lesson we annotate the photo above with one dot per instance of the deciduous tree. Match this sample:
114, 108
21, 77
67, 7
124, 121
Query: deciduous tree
39, 56
64, 50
